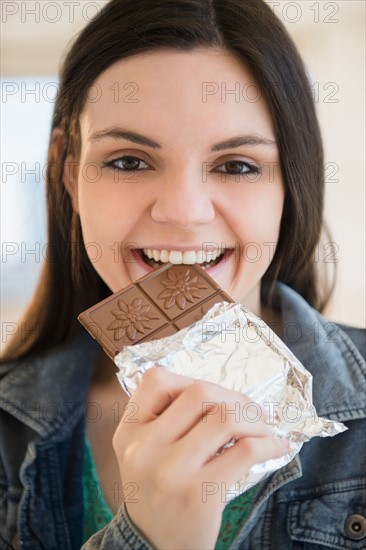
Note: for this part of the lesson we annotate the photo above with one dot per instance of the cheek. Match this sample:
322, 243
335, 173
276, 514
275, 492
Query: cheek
106, 212
256, 216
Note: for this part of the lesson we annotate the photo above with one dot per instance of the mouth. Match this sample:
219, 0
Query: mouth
156, 258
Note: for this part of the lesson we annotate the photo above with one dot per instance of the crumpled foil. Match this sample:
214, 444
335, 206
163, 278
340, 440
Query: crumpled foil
232, 347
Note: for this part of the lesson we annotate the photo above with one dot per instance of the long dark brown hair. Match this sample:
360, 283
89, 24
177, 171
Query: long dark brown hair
250, 31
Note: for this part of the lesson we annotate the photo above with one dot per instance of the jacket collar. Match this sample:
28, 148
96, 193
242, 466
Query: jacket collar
326, 351
48, 393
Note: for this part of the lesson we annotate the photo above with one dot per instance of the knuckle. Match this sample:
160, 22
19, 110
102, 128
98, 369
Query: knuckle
154, 376
135, 455
201, 391
121, 437
117, 439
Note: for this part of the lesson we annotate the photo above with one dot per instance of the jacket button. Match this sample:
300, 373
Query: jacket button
355, 527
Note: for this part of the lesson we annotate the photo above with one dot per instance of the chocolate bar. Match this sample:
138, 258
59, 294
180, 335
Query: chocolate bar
158, 304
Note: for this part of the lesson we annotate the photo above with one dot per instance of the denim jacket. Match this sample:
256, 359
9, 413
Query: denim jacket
315, 502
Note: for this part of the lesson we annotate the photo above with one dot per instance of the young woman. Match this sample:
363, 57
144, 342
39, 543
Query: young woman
175, 126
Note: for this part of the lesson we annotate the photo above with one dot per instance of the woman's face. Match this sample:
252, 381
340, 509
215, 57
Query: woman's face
178, 157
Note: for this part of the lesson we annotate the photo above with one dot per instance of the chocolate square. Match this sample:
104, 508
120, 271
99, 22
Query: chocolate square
178, 290
125, 320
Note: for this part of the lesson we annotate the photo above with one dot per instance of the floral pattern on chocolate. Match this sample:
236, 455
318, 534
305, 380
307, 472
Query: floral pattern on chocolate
131, 319
180, 288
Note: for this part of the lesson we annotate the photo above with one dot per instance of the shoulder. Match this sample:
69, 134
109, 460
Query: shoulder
313, 327
45, 362
333, 353
50, 381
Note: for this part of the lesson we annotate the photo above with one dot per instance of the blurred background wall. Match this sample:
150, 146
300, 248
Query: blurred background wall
35, 35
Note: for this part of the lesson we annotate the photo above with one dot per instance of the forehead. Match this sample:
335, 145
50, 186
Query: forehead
178, 96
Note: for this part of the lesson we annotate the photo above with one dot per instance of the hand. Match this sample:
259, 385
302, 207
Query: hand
170, 455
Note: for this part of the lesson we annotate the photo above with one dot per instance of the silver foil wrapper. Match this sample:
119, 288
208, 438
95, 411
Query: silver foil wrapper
232, 347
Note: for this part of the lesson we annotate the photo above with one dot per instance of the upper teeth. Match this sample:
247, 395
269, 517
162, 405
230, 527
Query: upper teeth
177, 257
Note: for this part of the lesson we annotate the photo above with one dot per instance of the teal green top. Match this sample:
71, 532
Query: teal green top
234, 517
97, 512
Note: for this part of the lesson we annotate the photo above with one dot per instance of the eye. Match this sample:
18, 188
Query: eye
237, 167
126, 163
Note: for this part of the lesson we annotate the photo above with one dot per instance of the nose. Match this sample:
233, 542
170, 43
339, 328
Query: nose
183, 203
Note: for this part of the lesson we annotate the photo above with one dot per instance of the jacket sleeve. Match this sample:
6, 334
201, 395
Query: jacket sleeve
119, 534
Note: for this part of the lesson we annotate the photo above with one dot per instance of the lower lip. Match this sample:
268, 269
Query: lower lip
214, 270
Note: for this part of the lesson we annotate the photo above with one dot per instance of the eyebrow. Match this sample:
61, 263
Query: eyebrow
231, 143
